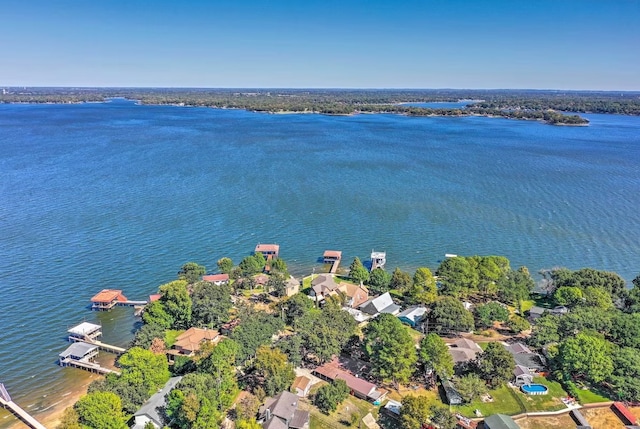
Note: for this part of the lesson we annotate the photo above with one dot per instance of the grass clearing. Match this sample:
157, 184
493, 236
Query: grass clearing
552, 401
587, 396
170, 336
504, 402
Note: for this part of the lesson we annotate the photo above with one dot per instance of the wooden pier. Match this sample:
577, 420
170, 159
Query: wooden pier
89, 366
332, 257
89, 333
16, 410
102, 346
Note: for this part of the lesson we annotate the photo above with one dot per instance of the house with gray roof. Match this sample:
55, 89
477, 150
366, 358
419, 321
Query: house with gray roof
464, 350
281, 412
522, 376
152, 410
413, 316
500, 421
379, 305
525, 357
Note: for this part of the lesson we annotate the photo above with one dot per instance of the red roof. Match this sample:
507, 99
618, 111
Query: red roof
333, 371
337, 254
155, 297
216, 278
619, 406
109, 295
267, 248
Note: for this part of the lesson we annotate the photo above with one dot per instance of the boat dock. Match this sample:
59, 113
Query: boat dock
89, 366
89, 333
16, 410
81, 355
378, 259
332, 257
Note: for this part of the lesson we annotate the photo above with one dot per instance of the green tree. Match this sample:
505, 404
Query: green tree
292, 346
211, 304
568, 295
449, 314
442, 417
177, 303
276, 284
101, 410
586, 355
70, 419
251, 265
379, 280
597, 297
495, 365
247, 407
400, 280
585, 277
470, 387
225, 265
625, 329
545, 331
515, 286
423, 290
155, 314
248, 424
415, 412
584, 319
296, 307
143, 368
274, 372
435, 355
326, 332
145, 335
329, 396
279, 265
457, 277
256, 329
491, 312
518, 324
390, 348
358, 272
220, 365
191, 272
626, 375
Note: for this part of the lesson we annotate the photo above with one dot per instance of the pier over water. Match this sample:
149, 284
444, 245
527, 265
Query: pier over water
26, 418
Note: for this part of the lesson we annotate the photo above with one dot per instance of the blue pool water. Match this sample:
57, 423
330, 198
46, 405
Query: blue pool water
533, 389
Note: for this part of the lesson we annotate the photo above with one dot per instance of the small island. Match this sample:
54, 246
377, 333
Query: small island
474, 342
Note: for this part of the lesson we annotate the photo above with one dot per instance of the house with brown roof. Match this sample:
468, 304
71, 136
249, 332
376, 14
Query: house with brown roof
301, 386
281, 412
217, 279
190, 341
106, 299
324, 286
359, 387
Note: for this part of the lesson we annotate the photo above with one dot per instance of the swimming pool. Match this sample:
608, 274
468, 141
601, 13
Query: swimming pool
535, 389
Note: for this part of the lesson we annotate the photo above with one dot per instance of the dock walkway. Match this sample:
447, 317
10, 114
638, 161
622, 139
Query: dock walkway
26, 418
89, 366
102, 346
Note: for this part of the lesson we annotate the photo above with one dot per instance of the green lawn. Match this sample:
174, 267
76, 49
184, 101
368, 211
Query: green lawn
417, 336
170, 336
526, 305
552, 401
504, 402
590, 397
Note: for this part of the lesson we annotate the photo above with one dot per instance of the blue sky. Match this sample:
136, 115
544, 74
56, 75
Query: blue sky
557, 44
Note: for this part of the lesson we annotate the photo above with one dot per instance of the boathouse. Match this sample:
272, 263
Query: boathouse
378, 259
269, 251
79, 351
85, 332
331, 256
106, 299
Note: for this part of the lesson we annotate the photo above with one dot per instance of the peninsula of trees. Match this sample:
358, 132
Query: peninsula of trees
586, 324
547, 106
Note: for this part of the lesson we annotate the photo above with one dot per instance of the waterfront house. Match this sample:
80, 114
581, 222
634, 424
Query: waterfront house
500, 421
464, 350
281, 412
358, 387
106, 299
413, 316
269, 251
217, 279
155, 297
535, 313
190, 341
301, 386
324, 286
152, 412
291, 287
525, 357
379, 305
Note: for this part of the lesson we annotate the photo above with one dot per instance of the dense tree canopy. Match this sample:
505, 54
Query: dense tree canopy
400, 280
191, 272
423, 289
471, 387
255, 329
325, 332
587, 355
210, 304
176, 302
415, 412
273, 372
495, 365
329, 396
390, 348
379, 281
101, 410
435, 356
448, 314
358, 272
225, 265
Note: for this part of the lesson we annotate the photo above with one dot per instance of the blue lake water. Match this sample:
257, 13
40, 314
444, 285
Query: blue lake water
119, 195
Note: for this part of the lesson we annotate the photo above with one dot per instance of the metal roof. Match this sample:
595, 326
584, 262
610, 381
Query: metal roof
85, 328
78, 350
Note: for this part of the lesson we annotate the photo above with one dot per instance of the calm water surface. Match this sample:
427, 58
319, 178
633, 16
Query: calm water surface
119, 195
